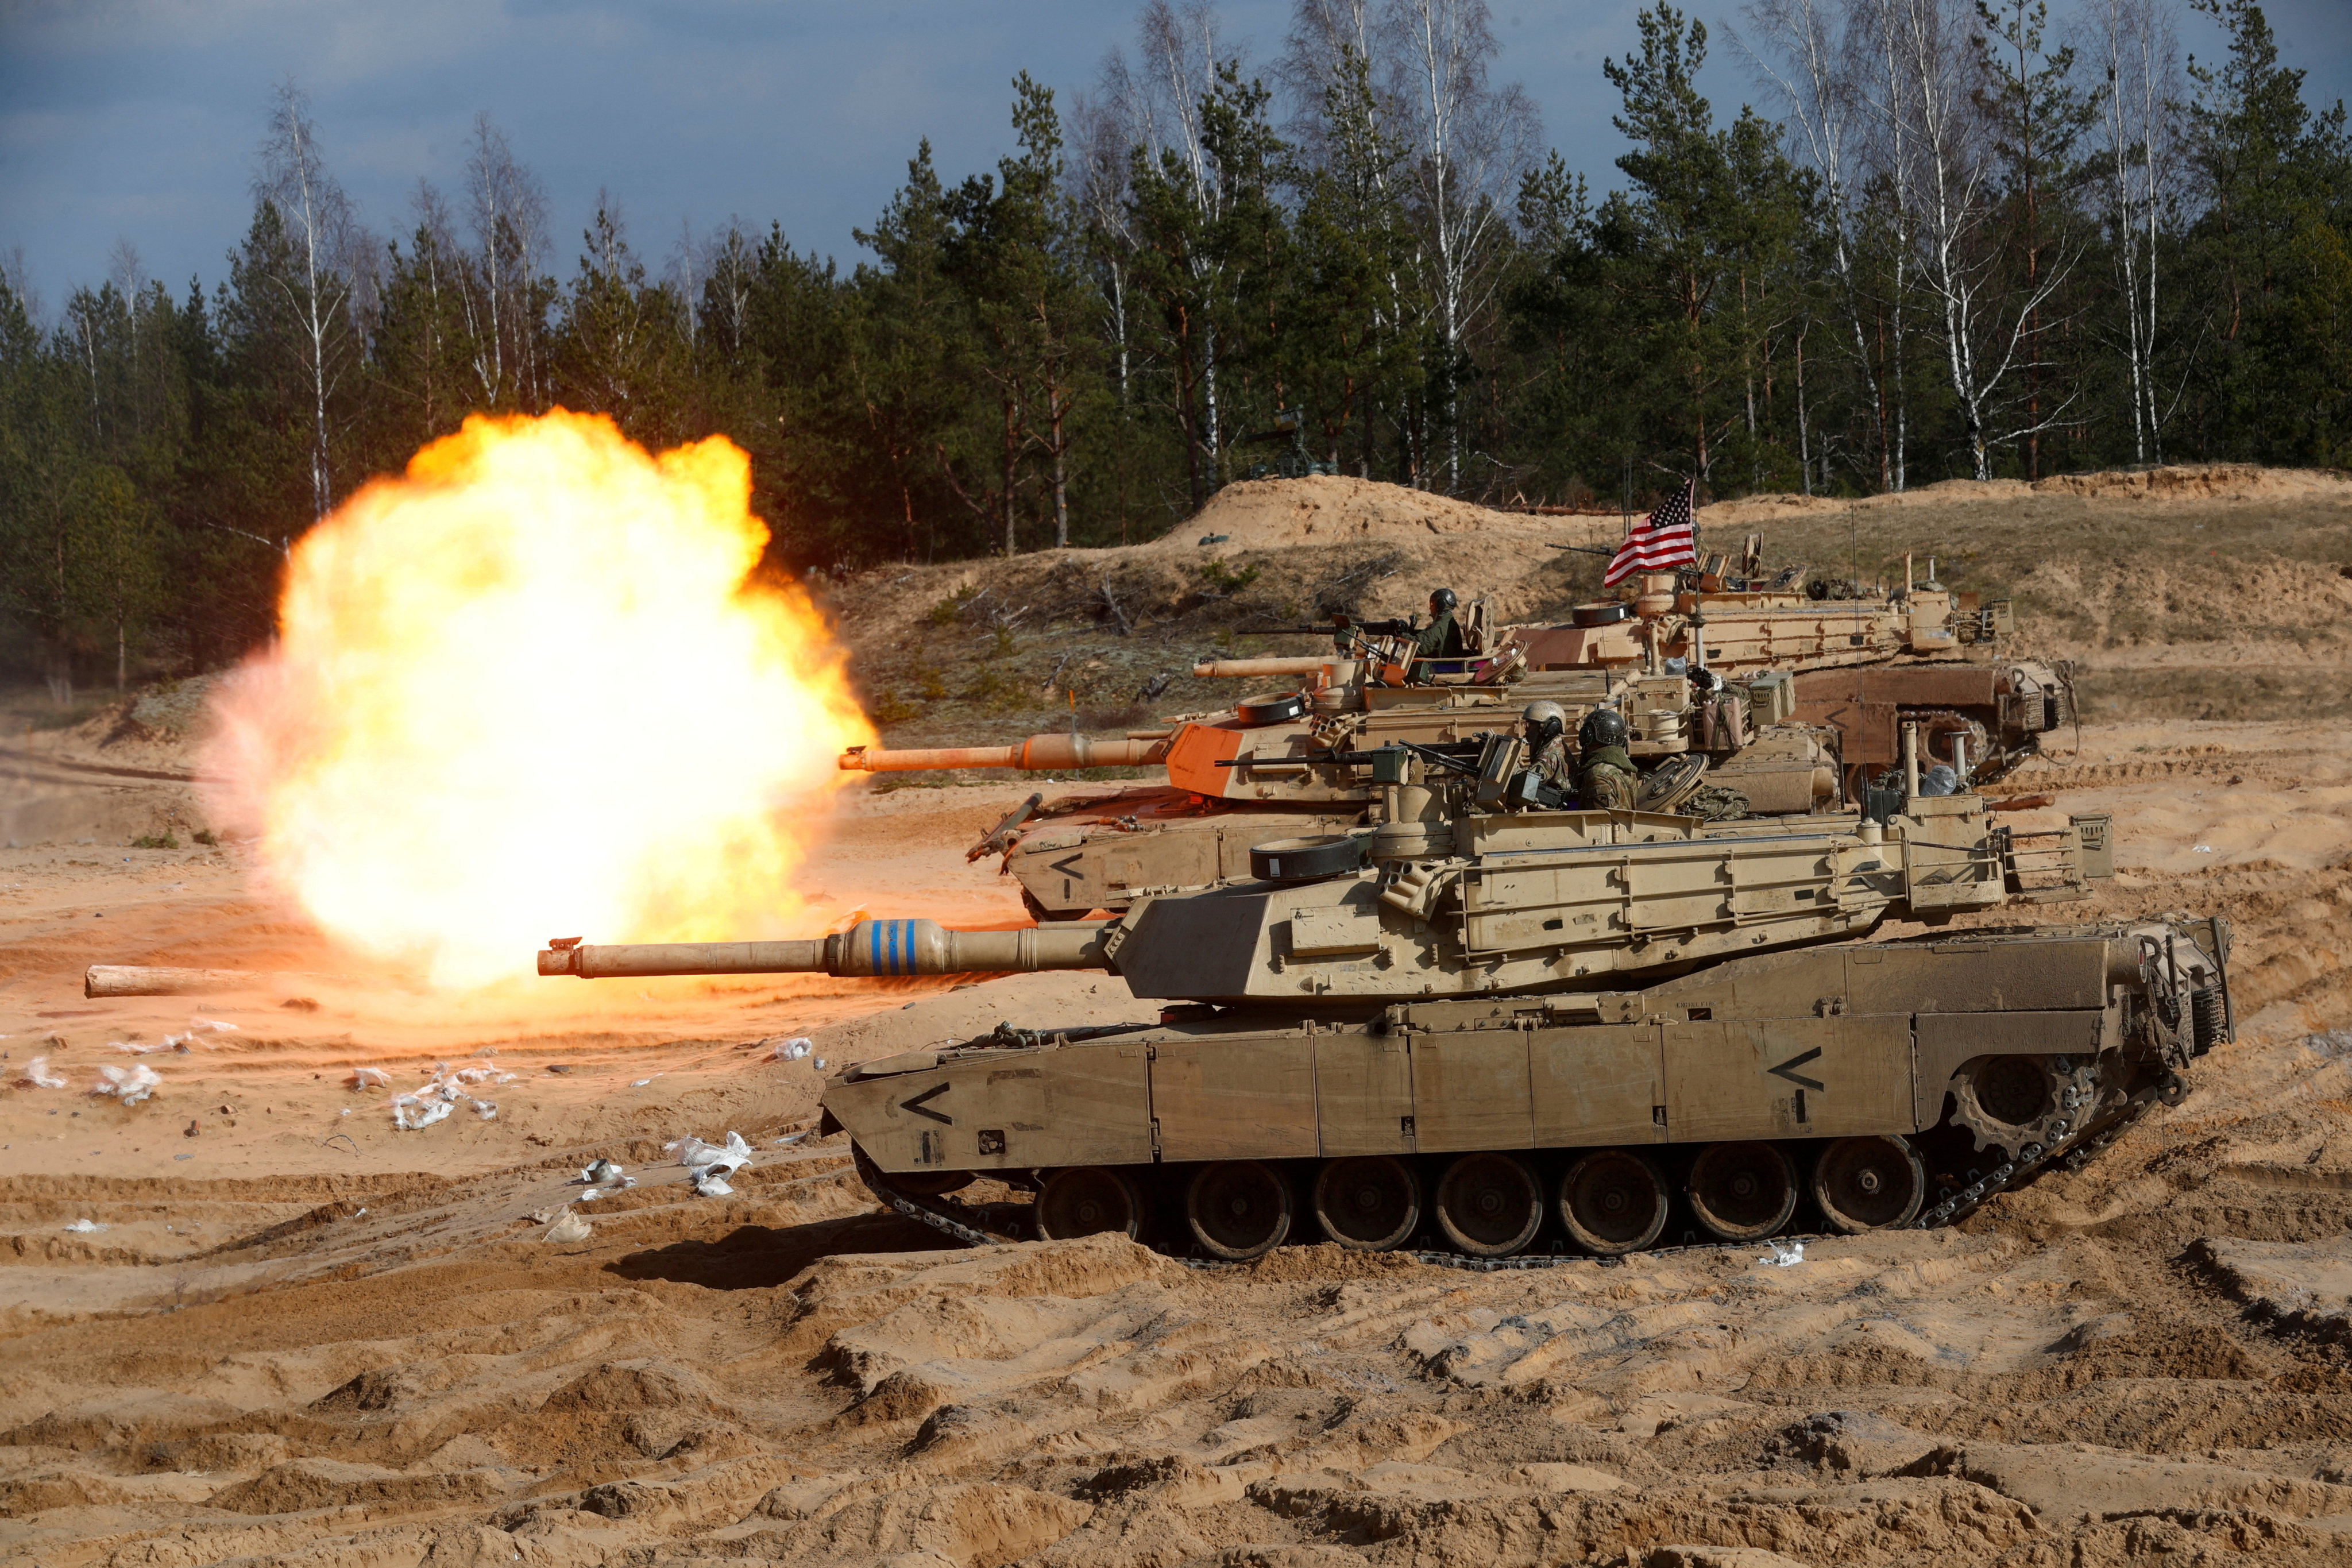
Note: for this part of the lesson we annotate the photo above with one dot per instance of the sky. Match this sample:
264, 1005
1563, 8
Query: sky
138, 119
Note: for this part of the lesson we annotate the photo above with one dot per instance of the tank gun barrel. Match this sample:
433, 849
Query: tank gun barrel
866, 948
1250, 668
1038, 753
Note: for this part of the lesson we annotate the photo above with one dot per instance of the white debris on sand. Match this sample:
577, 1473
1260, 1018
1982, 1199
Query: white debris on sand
438, 1096
411, 1112
1784, 1254
711, 1163
695, 1154
791, 1050
130, 1084
37, 1072
569, 1229
85, 1227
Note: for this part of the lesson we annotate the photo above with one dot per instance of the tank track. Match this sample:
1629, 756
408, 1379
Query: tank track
943, 1213
972, 1226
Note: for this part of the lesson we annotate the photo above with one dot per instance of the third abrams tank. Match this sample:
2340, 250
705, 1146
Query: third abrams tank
1474, 1028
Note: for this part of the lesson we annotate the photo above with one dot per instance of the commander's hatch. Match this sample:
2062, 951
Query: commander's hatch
1475, 621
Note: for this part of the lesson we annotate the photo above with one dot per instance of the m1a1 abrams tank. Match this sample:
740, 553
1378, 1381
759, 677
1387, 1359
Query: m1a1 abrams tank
1491, 1031
1809, 701
1866, 660
1266, 769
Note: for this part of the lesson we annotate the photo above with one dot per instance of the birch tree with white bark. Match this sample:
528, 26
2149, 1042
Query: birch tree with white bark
1801, 52
1937, 145
2133, 49
506, 304
324, 288
1472, 143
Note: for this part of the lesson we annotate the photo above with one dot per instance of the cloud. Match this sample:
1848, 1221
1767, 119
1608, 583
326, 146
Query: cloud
140, 117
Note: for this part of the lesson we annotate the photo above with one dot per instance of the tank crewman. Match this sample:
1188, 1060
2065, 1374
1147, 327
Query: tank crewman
1545, 725
1606, 780
1442, 638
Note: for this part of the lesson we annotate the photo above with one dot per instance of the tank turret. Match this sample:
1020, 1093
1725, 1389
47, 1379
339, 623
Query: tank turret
1449, 902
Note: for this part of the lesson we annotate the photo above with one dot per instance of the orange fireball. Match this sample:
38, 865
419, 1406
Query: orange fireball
527, 690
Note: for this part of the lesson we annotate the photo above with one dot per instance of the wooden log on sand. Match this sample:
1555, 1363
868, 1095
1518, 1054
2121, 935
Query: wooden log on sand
143, 980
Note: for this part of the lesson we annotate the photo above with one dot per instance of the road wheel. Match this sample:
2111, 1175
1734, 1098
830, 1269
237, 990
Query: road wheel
1086, 1200
1869, 1184
1238, 1209
1613, 1201
1742, 1192
1369, 1204
1489, 1205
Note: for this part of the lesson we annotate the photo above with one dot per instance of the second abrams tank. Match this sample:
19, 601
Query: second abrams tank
1798, 703
1475, 1029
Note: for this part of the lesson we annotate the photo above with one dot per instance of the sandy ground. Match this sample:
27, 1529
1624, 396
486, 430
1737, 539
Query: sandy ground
303, 1335
250, 1320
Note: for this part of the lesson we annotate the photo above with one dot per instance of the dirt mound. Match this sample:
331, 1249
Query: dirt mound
1331, 508
2200, 482
2210, 481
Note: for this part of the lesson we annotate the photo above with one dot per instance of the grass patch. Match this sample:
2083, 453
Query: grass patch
1222, 579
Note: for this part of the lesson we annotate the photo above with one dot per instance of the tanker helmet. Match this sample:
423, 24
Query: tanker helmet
1441, 601
1601, 727
1547, 718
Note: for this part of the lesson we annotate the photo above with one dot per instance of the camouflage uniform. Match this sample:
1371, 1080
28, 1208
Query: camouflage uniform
1608, 780
1555, 762
1717, 803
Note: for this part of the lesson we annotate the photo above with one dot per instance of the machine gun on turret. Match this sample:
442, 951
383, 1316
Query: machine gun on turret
1339, 625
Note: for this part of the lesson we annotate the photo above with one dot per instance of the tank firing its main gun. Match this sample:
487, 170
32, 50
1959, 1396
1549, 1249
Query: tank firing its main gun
1478, 1025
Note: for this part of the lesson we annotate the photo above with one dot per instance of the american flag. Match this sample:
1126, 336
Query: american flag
1668, 537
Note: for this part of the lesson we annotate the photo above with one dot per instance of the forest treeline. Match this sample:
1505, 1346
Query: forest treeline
1959, 237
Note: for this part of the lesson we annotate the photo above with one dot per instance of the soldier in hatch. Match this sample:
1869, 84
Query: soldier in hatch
1606, 780
1545, 727
1442, 638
